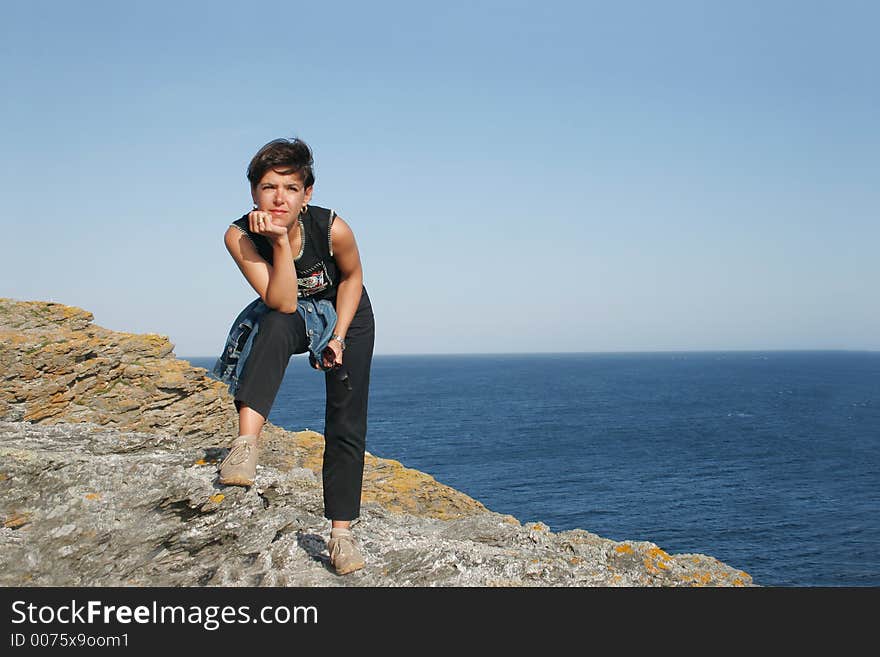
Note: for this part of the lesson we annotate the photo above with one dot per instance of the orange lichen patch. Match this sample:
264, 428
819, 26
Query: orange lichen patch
147, 340
623, 549
575, 561
93, 496
60, 397
744, 579
16, 520
217, 498
657, 553
656, 560
72, 311
404, 490
3, 477
58, 310
41, 411
309, 450
700, 579
201, 462
14, 338
171, 379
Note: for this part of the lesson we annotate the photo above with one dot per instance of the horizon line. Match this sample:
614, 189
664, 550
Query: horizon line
610, 352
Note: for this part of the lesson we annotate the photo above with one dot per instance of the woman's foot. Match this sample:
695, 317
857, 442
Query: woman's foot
345, 557
239, 468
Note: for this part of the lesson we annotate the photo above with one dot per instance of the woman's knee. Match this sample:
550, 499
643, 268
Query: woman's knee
276, 323
277, 328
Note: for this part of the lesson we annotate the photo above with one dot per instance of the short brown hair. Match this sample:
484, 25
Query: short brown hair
285, 156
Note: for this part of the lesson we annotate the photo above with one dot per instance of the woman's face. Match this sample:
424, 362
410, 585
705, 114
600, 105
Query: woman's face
283, 195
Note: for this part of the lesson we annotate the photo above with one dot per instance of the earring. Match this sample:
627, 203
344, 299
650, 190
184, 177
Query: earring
255, 206
303, 211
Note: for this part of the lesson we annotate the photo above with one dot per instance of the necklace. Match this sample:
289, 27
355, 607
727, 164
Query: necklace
302, 239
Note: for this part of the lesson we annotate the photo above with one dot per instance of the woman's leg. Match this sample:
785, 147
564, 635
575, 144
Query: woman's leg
345, 434
345, 422
250, 423
279, 336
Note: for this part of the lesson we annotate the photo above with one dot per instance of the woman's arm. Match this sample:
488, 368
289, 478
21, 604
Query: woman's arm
351, 283
277, 286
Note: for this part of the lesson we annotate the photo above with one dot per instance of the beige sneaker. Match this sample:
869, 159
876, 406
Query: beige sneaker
239, 468
345, 556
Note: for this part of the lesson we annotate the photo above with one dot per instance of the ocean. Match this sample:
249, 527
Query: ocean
767, 461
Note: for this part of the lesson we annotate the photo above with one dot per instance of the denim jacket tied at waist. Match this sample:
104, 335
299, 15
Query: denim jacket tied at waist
320, 320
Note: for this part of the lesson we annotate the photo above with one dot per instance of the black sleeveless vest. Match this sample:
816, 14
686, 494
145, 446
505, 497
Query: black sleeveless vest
316, 270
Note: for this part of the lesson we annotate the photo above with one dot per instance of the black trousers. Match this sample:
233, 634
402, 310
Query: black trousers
280, 335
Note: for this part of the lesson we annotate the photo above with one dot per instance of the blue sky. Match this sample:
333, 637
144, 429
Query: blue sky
520, 176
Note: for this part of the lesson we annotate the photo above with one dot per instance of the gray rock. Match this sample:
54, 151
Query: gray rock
86, 505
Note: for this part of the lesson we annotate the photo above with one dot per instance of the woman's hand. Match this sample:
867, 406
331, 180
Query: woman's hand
332, 355
262, 223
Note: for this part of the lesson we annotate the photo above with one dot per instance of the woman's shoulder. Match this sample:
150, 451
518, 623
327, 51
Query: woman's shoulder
318, 218
260, 243
320, 213
242, 224
319, 223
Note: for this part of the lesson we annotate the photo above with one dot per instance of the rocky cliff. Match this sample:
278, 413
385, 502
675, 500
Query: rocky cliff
108, 454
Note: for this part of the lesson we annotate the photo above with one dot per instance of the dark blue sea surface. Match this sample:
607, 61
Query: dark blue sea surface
767, 461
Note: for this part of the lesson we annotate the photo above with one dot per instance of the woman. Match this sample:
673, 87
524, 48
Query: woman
293, 253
